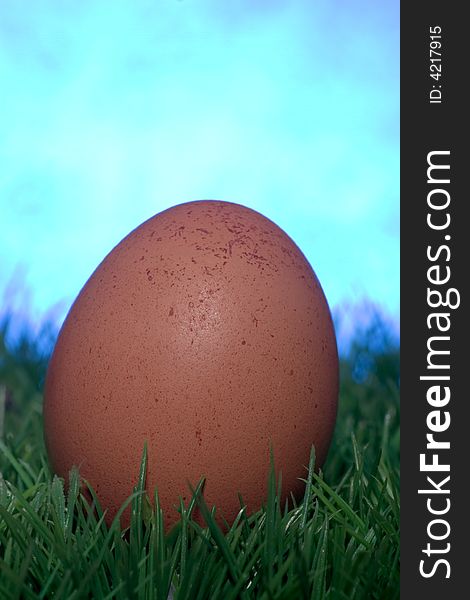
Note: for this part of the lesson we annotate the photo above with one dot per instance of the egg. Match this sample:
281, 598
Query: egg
205, 334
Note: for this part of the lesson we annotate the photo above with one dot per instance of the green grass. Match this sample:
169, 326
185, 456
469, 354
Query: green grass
341, 541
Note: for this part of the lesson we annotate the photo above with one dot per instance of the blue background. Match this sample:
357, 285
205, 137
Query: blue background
111, 111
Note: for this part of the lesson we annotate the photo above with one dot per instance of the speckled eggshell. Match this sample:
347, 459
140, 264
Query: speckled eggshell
206, 333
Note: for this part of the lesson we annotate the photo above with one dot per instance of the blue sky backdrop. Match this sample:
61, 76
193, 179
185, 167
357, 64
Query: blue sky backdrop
111, 111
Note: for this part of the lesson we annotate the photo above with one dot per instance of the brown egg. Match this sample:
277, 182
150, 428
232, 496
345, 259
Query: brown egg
206, 333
